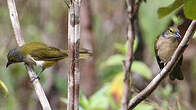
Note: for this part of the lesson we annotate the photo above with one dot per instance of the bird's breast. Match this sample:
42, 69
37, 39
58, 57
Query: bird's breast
40, 63
48, 63
166, 48
45, 64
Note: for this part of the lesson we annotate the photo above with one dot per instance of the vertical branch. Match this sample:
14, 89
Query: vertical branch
132, 9
71, 37
20, 40
77, 48
128, 60
73, 46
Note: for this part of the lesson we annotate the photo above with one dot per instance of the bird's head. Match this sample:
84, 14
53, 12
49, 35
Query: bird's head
172, 32
14, 56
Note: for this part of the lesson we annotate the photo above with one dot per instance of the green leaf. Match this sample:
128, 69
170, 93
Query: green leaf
164, 11
167, 91
120, 48
110, 72
99, 100
194, 36
144, 106
135, 44
114, 60
3, 89
84, 101
123, 48
190, 9
177, 20
142, 69
111, 67
65, 100
60, 83
126, 47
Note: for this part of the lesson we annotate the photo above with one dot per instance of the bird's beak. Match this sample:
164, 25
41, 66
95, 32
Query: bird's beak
178, 36
8, 63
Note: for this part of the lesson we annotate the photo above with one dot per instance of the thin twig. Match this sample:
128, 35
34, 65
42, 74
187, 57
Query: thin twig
20, 40
68, 3
132, 12
164, 72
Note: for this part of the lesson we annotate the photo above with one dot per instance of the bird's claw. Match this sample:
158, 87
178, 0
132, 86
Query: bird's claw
34, 78
75, 60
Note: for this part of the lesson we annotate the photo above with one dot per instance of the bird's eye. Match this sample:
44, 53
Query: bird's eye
170, 31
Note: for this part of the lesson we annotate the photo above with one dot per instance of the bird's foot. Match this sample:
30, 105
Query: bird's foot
38, 76
159, 71
34, 78
76, 60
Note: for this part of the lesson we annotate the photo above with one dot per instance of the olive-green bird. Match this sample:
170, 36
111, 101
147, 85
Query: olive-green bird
39, 54
165, 46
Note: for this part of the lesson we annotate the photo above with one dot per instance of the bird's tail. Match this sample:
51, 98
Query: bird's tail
84, 53
176, 72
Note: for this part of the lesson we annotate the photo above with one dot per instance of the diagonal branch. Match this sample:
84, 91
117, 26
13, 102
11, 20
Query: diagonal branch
164, 72
68, 3
20, 40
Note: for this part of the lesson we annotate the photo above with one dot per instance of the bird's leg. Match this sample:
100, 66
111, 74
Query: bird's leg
38, 76
76, 60
159, 72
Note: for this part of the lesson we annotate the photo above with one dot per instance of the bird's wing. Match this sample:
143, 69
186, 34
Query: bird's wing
29, 47
48, 54
177, 72
161, 65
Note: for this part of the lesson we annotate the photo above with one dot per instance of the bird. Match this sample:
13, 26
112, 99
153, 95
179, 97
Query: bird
165, 45
40, 54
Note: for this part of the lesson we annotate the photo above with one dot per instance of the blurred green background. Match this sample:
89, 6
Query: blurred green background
103, 29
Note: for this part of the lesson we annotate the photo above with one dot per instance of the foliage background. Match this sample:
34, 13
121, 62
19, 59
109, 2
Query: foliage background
101, 89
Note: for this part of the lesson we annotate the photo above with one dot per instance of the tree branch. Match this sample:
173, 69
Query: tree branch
71, 37
164, 72
132, 12
20, 41
68, 3
73, 46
